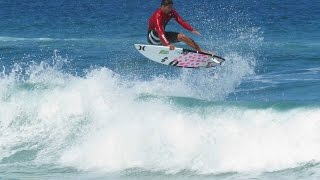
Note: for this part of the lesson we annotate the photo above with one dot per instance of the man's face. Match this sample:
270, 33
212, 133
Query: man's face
167, 8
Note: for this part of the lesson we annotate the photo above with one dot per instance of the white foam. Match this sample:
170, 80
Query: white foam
209, 84
156, 136
97, 122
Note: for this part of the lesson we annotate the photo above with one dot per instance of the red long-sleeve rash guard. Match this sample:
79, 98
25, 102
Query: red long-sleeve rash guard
159, 20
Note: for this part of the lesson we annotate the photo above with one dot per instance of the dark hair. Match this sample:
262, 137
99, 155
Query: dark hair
166, 2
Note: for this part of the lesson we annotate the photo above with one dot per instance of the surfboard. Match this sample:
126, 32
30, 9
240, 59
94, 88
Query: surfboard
179, 57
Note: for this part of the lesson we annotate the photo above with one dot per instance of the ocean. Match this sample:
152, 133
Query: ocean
77, 101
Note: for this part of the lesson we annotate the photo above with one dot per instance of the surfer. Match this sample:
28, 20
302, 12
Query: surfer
157, 24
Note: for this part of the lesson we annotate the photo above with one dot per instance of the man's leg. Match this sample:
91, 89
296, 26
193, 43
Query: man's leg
189, 42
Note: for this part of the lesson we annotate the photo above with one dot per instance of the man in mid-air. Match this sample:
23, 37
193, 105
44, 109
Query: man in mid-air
157, 24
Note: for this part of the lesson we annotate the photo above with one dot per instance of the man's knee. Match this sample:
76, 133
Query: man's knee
182, 37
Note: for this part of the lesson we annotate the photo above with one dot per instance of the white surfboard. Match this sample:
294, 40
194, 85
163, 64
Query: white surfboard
179, 57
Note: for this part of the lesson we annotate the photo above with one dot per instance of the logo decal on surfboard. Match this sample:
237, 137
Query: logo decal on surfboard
164, 52
174, 63
142, 48
164, 59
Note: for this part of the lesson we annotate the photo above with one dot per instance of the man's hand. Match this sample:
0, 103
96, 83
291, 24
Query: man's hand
171, 47
196, 32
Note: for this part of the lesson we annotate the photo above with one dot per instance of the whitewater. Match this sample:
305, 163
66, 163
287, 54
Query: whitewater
103, 123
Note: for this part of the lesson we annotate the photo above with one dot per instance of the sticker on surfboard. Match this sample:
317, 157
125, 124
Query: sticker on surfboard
179, 57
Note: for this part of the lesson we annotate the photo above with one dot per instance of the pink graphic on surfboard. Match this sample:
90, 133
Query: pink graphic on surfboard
192, 60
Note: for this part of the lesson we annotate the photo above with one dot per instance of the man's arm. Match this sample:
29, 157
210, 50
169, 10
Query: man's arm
160, 31
182, 22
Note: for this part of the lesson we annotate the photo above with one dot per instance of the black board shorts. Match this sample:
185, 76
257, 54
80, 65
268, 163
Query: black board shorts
154, 39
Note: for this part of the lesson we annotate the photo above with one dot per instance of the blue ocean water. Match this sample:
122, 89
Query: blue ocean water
77, 101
